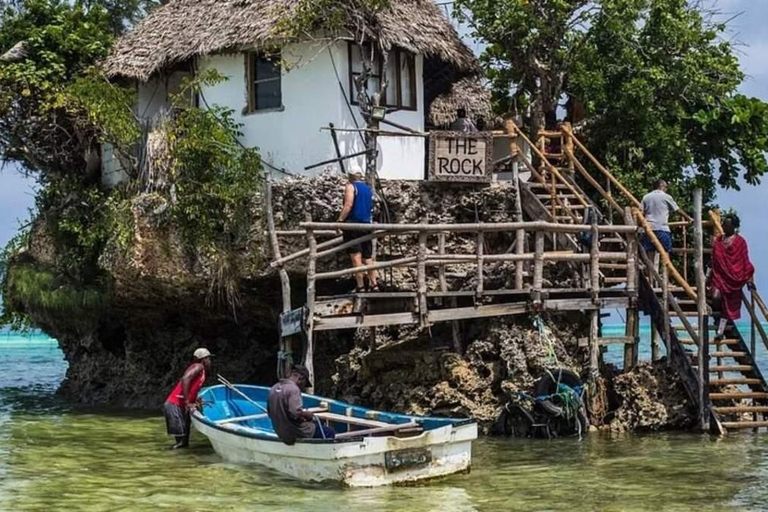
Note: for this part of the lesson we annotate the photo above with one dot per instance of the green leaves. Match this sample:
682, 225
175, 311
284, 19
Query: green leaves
657, 79
216, 178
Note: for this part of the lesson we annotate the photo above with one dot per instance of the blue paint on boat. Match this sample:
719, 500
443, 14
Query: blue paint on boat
221, 403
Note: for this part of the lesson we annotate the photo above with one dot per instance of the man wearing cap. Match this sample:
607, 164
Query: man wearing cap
358, 209
183, 399
289, 419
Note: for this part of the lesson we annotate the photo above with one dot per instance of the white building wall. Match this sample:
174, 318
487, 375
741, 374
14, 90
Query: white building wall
291, 138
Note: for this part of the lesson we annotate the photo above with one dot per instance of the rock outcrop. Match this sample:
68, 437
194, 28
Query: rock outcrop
165, 299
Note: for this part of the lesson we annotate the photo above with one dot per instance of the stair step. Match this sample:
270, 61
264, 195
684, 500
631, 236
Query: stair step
613, 266
738, 395
733, 382
612, 240
735, 355
539, 185
721, 342
569, 206
744, 424
733, 368
740, 409
569, 197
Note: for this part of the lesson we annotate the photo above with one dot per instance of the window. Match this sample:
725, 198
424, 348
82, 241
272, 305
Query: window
264, 82
400, 75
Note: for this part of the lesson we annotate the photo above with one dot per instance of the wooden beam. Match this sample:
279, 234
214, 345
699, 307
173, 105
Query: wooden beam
701, 309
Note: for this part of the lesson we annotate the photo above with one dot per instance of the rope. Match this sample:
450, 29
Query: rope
544, 339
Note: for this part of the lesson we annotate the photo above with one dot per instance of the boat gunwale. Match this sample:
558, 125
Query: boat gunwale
253, 434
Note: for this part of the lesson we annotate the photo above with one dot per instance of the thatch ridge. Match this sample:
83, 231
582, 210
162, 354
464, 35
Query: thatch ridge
182, 29
468, 93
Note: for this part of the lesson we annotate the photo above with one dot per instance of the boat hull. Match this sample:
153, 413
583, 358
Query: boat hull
239, 431
367, 462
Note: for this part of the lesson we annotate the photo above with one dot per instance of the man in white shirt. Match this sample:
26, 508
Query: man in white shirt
657, 205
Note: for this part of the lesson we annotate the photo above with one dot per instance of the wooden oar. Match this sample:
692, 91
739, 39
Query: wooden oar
380, 430
233, 388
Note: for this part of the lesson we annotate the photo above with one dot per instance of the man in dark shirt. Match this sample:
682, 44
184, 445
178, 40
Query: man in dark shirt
289, 420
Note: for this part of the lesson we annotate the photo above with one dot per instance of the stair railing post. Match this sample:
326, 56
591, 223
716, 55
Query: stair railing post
753, 331
701, 304
569, 146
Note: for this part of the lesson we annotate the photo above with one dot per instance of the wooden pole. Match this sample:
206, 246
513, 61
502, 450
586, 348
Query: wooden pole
514, 151
285, 281
701, 307
594, 344
422, 279
568, 146
632, 285
336, 146
665, 311
452, 300
594, 261
309, 355
538, 267
480, 250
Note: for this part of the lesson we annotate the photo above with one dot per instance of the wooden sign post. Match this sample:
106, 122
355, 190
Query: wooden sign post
460, 157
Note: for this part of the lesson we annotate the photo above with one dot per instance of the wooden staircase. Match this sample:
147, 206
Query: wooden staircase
731, 387
737, 390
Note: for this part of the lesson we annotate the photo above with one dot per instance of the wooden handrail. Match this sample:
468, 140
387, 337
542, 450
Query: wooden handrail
551, 167
753, 314
469, 227
602, 169
717, 225
663, 254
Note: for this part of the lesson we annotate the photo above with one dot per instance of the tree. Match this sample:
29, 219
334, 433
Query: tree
657, 79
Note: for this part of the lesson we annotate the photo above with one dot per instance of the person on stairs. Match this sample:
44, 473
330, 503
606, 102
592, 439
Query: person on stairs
183, 399
358, 209
657, 205
730, 269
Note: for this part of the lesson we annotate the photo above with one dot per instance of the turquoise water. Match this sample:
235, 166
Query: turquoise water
55, 456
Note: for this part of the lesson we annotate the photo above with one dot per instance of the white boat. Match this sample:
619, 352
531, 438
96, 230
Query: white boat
372, 448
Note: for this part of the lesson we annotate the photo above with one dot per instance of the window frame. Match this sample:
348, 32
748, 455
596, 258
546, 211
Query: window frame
251, 59
397, 54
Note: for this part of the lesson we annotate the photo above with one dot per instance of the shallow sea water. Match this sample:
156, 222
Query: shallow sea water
54, 456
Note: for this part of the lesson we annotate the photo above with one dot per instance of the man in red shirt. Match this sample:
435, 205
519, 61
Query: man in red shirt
183, 399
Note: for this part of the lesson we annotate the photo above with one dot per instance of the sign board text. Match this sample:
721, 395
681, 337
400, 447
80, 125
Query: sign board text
460, 157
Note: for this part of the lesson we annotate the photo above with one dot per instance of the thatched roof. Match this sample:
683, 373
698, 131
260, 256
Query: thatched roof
182, 29
18, 52
468, 93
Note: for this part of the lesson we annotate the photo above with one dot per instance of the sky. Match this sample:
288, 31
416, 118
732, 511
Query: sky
747, 29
